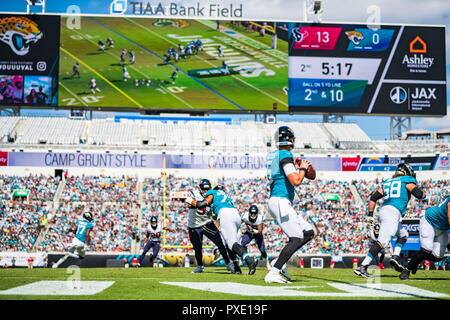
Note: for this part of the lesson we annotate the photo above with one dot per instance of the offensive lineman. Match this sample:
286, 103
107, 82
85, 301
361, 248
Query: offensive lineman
153, 239
255, 226
200, 223
396, 193
433, 229
284, 175
81, 239
223, 209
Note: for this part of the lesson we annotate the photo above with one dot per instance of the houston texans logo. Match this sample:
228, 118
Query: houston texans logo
298, 36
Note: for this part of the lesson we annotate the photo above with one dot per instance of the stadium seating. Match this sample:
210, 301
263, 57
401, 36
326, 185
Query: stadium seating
189, 136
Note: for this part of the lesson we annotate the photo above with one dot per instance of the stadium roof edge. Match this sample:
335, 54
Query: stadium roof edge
65, 14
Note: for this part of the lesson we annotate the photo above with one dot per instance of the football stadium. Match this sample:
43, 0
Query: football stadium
244, 151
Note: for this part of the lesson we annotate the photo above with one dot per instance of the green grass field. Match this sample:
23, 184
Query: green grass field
147, 284
150, 39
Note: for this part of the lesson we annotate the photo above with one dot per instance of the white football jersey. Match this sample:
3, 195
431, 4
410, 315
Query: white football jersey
372, 235
155, 234
252, 225
198, 217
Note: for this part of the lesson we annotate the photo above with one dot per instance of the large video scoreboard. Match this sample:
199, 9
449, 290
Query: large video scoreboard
343, 68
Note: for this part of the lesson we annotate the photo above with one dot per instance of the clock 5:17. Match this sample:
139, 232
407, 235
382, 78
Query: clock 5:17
341, 68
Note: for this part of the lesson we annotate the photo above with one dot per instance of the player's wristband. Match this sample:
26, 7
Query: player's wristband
370, 214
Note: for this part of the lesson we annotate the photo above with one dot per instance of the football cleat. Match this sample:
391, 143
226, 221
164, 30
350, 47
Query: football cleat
251, 263
362, 272
199, 269
284, 271
274, 277
380, 266
230, 267
404, 275
395, 263
237, 270
268, 265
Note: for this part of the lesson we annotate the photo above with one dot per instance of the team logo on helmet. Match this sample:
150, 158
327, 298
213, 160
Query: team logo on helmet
88, 216
153, 221
285, 136
406, 169
205, 185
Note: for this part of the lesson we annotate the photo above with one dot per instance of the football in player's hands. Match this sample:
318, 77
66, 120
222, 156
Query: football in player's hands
310, 173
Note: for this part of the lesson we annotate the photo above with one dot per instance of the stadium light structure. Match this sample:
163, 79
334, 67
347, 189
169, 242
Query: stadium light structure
317, 6
35, 3
313, 8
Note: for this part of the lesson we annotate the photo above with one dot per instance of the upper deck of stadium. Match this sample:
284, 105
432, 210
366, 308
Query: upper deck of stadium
57, 133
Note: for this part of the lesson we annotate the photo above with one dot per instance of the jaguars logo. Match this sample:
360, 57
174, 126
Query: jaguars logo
355, 36
19, 33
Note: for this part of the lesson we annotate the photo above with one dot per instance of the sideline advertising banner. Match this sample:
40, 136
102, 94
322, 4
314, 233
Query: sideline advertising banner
207, 161
20, 259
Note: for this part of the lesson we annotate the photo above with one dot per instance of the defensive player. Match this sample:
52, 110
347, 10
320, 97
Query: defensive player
254, 231
153, 239
395, 193
132, 57
110, 42
223, 210
200, 224
101, 45
75, 71
82, 238
373, 238
284, 175
122, 56
174, 75
433, 230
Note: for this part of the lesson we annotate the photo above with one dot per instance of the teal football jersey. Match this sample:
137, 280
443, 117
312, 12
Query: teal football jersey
220, 201
82, 227
437, 216
279, 183
396, 194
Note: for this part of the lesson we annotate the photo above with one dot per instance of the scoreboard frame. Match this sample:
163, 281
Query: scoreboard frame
334, 69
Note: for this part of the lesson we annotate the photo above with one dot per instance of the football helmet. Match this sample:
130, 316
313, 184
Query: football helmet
88, 216
284, 136
205, 185
406, 169
153, 221
253, 213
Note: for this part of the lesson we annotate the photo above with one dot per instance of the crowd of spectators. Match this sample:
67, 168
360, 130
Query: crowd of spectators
113, 203
21, 216
117, 202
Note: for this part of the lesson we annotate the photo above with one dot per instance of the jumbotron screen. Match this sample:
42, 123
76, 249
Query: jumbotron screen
186, 65
343, 68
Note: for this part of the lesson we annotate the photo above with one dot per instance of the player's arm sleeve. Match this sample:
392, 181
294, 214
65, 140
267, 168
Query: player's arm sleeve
288, 167
204, 203
415, 191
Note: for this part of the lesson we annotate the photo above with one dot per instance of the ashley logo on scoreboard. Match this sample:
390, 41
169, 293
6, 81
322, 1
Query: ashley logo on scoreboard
418, 62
